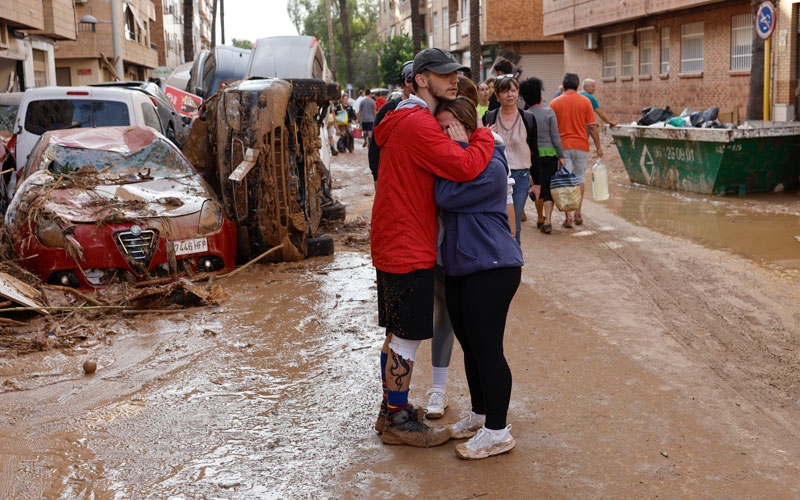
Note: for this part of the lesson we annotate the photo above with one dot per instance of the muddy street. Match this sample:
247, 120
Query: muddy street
651, 359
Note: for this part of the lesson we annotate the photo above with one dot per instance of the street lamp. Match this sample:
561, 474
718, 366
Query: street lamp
115, 35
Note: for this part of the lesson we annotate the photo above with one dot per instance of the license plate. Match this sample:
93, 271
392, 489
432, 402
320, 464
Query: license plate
195, 245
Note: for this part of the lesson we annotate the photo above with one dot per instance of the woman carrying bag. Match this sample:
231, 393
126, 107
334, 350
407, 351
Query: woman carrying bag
519, 132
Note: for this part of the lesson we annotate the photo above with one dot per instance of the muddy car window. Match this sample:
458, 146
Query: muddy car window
156, 161
56, 114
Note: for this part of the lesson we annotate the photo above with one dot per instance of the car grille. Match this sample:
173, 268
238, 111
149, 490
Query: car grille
138, 248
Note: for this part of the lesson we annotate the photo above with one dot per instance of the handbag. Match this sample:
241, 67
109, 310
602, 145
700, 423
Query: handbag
341, 117
565, 190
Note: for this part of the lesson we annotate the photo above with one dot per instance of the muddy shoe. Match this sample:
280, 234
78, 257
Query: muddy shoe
380, 423
437, 402
467, 426
405, 428
486, 444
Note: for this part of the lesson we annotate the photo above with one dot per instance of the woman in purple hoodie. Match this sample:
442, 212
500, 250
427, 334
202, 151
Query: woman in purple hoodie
483, 263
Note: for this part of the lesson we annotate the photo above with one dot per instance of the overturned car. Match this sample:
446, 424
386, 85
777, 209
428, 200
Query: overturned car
259, 143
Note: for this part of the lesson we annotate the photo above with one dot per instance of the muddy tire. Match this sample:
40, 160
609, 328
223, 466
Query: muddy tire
311, 90
334, 212
319, 246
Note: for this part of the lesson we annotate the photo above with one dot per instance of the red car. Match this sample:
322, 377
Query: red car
109, 205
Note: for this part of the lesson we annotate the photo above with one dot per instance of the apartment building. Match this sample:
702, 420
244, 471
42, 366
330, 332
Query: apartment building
29, 32
70, 42
679, 53
512, 28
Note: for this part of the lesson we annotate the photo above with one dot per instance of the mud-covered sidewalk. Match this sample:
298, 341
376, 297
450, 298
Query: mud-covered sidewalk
644, 366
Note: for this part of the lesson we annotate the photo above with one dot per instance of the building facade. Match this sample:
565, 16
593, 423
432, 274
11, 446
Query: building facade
70, 42
512, 29
680, 53
29, 33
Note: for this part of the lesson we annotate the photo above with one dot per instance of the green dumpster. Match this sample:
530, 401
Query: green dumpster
753, 158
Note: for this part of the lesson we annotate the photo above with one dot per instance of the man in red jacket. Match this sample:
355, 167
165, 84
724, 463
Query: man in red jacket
414, 151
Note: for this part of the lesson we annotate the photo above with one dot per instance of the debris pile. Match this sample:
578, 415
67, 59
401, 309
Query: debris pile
664, 117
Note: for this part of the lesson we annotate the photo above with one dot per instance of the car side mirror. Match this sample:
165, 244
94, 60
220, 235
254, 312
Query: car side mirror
186, 120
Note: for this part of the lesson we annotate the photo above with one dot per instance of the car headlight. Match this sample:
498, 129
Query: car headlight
210, 217
50, 234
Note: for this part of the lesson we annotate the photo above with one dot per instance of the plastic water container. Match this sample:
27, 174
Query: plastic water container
599, 181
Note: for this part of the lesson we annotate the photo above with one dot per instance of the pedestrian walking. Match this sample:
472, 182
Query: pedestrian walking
344, 118
483, 98
589, 86
366, 116
518, 130
483, 266
414, 151
501, 67
550, 153
575, 116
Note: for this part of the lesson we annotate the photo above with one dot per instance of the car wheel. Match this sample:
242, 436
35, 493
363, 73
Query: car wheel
320, 245
312, 90
334, 212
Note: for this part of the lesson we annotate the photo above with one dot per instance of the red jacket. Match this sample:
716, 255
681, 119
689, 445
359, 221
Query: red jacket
414, 151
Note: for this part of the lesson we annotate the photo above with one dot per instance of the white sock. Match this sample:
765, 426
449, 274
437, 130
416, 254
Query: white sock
439, 376
496, 434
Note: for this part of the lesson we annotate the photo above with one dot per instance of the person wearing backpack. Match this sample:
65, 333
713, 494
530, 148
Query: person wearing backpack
519, 133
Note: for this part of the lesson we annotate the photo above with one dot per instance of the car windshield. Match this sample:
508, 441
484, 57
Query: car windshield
56, 114
157, 160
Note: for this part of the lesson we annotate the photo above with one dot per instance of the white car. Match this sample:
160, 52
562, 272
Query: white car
55, 108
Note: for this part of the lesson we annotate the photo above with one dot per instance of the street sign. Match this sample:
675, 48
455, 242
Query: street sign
765, 20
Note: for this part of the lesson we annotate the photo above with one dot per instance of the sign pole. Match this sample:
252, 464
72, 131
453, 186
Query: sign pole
765, 25
767, 62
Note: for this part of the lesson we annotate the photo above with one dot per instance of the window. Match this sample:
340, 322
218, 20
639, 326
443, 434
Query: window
664, 51
627, 55
464, 9
445, 19
645, 52
741, 42
435, 22
692, 47
610, 57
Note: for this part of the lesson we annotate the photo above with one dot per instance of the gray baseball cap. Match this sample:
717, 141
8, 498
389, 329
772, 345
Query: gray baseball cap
437, 60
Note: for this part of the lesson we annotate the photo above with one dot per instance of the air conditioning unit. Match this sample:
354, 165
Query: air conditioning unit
591, 41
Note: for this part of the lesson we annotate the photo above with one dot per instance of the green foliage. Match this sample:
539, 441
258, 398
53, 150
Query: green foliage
309, 17
395, 51
243, 44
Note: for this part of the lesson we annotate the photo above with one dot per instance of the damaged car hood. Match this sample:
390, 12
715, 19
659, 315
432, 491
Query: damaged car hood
171, 197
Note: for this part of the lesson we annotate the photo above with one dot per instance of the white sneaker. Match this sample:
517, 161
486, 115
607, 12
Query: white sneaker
467, 426
484, 445
437, 402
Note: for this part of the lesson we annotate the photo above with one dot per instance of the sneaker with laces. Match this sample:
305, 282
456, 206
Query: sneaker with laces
467, 426
437, 402
404, 427
484, 444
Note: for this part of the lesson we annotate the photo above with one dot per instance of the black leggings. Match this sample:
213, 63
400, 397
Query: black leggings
478, 304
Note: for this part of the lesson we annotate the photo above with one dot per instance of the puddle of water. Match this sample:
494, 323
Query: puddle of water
762, 227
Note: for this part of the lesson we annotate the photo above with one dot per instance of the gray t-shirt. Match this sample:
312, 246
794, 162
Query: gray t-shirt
366, 110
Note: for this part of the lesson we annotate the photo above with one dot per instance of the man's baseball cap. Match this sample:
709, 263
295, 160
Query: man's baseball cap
407, 72
437, 60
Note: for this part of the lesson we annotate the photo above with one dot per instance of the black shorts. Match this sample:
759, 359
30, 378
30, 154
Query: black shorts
405, 304
366, 126
549, 167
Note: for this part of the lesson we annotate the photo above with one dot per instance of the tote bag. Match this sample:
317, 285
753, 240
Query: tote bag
565, 190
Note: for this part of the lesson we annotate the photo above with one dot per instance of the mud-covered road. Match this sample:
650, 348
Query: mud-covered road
645, 366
